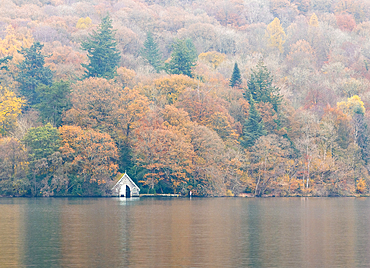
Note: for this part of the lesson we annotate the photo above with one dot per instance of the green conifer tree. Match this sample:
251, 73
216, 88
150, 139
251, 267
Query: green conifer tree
260, 87
254, 126
183, 58
32, 73
101, 51
53, 102
236, 79
151, 52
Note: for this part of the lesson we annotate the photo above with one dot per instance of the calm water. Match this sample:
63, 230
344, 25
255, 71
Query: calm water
219, 232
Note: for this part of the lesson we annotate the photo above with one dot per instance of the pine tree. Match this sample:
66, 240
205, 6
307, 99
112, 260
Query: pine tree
182, 59
253, 127
101, 51
236, 79
260, 87
32, 72
53, 102
151, 52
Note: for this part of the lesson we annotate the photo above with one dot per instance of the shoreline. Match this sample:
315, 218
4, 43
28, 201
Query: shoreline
187, 196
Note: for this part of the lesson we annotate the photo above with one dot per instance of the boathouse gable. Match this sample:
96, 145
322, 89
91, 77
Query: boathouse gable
125, 187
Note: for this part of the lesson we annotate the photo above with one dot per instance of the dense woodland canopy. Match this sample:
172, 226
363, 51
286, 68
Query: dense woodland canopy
264, 97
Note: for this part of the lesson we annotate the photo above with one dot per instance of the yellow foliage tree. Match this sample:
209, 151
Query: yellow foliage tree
13, 42
125, 76
84, 23
314, 21
10, 108
213, 57
276, 35
361, 186
353, 105
166, 90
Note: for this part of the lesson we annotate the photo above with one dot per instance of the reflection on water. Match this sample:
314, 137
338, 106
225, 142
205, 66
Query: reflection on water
220, 232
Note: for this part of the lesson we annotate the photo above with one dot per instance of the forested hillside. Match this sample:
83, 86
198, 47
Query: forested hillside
222, 97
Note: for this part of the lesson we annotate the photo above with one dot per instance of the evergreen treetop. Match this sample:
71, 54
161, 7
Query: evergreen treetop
183, 58
151, 53
253, 127
32, 72
260, 87
53, 102
102, 51
236, 79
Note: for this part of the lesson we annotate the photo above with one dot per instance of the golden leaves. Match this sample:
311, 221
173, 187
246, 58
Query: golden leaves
13, 42
314, 21
84, 23
352, 105
213, 57
276, 35
89, 152
10, 108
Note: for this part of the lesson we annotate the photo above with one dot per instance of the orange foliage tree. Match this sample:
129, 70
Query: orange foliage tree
88, 154
164, 152
208, 111
346, 22
103, 105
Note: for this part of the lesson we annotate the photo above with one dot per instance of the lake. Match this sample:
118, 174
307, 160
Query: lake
197, 232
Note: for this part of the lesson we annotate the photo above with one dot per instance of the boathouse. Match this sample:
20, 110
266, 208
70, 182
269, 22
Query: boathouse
125, 187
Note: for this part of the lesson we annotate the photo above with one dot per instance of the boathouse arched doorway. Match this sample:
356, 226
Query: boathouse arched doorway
128, 192
125, 191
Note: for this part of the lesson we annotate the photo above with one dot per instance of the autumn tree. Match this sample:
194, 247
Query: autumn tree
53, 102
151, 53
314, 21
166, 90
236, 79
209, 111
84, 23
182, 58
90, 156
95, 104
13, 159
101, 51
208, 162
276, 35
353, 105
10, 109
13, 42
301, 54
345, 22
13, 167
213, 57
103, 105
165, 153
269, 162
307, 145
32, 73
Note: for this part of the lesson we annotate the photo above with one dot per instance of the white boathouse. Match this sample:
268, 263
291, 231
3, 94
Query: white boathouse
125, 187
